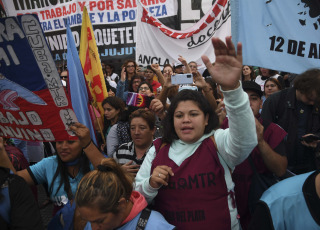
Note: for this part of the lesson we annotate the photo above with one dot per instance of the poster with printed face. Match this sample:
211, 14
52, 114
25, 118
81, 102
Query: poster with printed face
33, 102
280, 35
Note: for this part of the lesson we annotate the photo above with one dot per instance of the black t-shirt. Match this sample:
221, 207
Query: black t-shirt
24, 214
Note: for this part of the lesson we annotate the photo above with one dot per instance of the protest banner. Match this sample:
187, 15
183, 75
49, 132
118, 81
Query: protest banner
157, 43
280, 35
33, 103
114, 22
91, 64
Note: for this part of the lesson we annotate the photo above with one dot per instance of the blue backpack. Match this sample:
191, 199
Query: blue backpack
63, 219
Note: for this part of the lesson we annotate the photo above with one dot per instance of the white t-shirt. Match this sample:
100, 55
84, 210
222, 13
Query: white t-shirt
261, 82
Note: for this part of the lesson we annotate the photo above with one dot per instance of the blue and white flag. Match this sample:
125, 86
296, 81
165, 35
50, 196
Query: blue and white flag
281, 35
78, 88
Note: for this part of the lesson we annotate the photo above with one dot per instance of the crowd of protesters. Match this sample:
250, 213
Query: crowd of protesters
236, 149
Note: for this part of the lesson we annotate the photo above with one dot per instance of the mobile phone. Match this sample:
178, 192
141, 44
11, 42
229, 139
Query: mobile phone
310, 138
138, 100
179, 79
190, 87
142, 68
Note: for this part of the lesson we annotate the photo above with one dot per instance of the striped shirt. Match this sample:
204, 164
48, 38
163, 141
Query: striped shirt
126, 152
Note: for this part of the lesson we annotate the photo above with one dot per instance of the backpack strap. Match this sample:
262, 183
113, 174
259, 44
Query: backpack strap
214, 142
143, 220
215, 145
158, 144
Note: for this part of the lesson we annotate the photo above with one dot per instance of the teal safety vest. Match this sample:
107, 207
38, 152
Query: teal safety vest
287, 205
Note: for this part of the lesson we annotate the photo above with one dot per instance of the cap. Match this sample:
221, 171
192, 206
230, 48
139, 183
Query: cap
177, 64
253, 86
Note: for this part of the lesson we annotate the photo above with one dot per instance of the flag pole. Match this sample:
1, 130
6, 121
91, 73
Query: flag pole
100, 128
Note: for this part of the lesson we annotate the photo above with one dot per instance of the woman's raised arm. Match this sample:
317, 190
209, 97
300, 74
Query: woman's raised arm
90, 149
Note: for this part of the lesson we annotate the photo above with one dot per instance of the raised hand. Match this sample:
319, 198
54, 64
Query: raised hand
82, 132
155, 67
199, 81
157, 107
228, 64
182, 60
123, 74
167, 80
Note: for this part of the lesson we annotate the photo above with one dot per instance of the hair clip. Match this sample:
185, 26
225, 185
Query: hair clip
104, 168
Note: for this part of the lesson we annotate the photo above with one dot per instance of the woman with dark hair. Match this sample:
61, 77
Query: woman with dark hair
105, 198
193, 67
122, 92
110, 73
145, 88
114, 112
110, 85
113, 109
142, 129
156, 106
271, 86
268, 73
187, 173
128, 73
61, 172
168, 91
247, 73
129, 68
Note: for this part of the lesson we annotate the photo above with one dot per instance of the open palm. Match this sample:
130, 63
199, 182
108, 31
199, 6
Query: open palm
227, 68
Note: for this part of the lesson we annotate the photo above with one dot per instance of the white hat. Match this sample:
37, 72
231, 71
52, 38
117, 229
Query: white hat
177, 64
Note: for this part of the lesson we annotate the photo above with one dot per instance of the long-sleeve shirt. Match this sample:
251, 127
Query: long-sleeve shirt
122, 92
234, 145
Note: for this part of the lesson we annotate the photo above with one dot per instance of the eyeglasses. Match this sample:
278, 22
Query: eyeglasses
144, 88
128, 66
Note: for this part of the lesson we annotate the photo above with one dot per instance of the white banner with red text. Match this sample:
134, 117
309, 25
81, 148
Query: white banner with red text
157, 43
